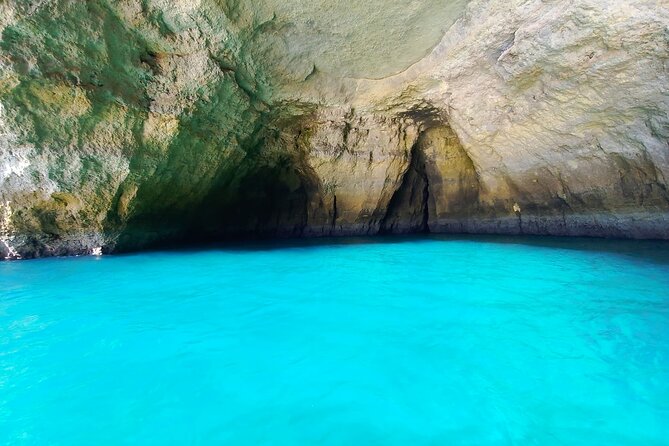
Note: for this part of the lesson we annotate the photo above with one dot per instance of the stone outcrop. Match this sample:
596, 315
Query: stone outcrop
129, 123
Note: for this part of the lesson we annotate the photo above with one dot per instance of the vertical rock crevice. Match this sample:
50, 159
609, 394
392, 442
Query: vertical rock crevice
334, 210
408, 210
440, 186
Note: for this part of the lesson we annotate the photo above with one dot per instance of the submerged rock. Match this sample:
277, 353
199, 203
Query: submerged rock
136, 122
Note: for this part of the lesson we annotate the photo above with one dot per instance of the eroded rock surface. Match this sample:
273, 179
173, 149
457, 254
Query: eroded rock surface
130, 123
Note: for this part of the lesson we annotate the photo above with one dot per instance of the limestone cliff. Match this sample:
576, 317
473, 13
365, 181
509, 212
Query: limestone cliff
134, 122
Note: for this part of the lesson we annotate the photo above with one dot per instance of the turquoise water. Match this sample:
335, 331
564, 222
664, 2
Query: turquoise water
425, 341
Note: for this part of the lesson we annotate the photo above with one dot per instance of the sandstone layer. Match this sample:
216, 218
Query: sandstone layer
130, 123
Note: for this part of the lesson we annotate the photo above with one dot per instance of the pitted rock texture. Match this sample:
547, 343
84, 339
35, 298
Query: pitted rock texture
125, 124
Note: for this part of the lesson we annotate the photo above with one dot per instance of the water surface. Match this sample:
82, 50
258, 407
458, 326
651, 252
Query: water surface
421, 341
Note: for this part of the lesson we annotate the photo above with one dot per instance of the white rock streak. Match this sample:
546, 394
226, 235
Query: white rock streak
6, 237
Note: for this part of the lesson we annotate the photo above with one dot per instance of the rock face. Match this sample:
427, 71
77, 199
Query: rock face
135, 122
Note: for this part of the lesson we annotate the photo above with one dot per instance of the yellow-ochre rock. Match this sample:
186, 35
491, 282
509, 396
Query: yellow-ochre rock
129, 123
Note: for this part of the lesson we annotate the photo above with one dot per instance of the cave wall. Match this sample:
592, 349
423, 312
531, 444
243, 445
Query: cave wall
125, 124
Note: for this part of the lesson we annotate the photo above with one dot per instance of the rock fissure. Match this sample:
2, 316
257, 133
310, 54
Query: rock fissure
408, 209
334, 210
